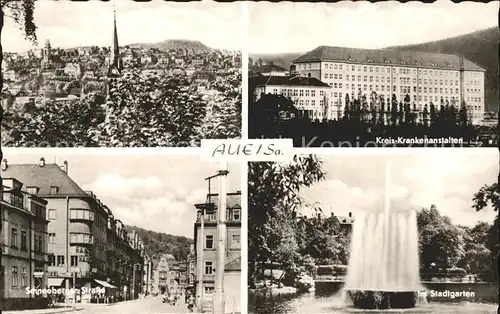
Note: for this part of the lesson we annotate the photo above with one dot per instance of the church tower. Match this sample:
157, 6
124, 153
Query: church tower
46, 54
115, 61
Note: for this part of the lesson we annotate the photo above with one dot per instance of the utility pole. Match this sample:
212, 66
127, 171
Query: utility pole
74, 290
221, 237
199, 262
133, 282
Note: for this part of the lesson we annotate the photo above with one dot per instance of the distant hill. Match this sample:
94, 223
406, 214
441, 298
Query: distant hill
192, 45
162, 243
480, 47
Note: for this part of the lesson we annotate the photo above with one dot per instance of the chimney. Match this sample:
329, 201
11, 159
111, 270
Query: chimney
65, 166
4, 165
42, 162
350, 215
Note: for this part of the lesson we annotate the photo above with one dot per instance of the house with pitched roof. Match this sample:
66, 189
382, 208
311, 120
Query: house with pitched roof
87, 246
23, 259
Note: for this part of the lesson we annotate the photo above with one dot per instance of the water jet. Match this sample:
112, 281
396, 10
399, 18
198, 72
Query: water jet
383, 268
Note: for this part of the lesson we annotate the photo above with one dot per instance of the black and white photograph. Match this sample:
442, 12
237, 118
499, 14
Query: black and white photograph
361, 74
399, 233
120, 73
119, 233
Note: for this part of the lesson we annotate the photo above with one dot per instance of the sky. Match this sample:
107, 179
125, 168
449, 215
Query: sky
357, 183
154, 192
91, 23
300, 27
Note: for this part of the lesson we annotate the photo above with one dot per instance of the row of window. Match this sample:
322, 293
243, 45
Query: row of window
58, 260
15, 277
14, 238
297, 92
231, 215
365, 68
234, 244
34, 190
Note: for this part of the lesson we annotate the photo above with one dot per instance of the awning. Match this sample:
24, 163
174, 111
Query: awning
54, 282
105, 284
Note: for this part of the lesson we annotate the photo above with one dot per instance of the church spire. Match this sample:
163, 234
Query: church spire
115, 60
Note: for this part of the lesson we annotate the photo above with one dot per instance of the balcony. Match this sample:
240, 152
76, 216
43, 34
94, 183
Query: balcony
80, 214
77, 238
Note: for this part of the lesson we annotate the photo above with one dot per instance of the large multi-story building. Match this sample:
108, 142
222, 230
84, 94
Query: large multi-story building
205, 240
23, 260
87, 246
309, 94
424, 77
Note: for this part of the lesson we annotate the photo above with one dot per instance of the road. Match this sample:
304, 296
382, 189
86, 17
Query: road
152, 305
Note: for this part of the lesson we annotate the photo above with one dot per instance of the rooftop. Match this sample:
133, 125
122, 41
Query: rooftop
288, 81
389, 57
268, 68
44, 177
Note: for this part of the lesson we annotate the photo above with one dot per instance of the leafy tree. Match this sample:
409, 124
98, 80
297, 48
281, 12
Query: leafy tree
223, 118
54, 124
440, 242
273, 198
477, 257
490, 195
148, 110
22, 12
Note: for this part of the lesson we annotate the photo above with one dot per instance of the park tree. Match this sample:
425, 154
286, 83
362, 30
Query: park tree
440, 242
273, 201
489, 196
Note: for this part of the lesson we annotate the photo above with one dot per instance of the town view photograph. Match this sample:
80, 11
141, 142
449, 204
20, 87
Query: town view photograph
119, 233
120, 73
374, 74
408, 233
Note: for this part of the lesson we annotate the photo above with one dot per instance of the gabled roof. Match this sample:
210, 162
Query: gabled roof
288, 81
344, 220
389, 57
44, 178
233, 200
268, 68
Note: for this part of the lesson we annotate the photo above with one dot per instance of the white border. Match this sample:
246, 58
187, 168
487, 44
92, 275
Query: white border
244, 75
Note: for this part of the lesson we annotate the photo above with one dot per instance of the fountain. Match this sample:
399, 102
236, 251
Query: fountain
383, 270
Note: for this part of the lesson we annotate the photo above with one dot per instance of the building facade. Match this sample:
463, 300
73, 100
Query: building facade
24, 246
205, 240
310, 96
87, 246
426, 78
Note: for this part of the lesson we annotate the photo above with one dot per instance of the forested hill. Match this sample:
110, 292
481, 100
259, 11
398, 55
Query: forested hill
191, 45
480, 47
157, 243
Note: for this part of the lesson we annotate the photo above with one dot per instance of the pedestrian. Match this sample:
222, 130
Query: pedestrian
191, 304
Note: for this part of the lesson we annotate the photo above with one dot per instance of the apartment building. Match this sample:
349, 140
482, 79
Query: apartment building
87, 246
427, 78
23, 262
205, 240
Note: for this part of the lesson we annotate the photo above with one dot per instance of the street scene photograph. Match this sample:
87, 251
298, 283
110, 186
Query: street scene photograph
119, 233
119, 73
407, 233
383, 74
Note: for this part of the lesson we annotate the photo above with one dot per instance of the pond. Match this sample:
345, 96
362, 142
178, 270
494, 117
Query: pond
331, 302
